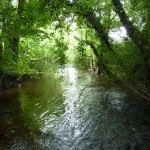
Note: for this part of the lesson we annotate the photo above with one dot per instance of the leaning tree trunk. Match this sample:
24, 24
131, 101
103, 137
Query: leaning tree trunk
136, 36
95, 23
101, 31
103, 36
99, 28
100, 64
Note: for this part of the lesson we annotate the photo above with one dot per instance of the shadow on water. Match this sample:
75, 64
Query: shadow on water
74, 112
26, 112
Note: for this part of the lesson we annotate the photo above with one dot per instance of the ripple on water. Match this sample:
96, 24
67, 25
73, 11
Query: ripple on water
74, 114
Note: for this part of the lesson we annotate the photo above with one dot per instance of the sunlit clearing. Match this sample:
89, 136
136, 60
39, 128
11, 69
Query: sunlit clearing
119, 34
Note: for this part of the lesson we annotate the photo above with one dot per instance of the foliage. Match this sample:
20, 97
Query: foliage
36, 36
82, 58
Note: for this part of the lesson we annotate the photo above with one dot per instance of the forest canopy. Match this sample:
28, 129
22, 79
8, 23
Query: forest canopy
110, 36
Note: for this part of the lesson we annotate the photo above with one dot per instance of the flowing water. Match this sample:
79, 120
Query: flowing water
71, 110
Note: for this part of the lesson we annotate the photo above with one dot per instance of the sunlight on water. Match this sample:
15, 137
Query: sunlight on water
73, 113
71, 74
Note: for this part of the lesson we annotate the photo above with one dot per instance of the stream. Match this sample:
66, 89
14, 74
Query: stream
71, 110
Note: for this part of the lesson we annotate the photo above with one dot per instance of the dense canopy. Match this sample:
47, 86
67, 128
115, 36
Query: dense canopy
110, 36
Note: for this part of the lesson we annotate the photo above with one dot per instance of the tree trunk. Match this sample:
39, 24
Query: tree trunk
103, 36
14, 40
14, 45
136, 36
146, 18
99, 28
1, 46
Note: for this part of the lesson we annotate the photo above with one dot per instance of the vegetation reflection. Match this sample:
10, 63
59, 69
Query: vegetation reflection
41, 104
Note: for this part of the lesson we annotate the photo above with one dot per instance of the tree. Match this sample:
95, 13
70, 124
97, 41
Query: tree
30, 21
137, 37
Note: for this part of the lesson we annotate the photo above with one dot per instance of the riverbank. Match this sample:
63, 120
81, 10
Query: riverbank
12, 81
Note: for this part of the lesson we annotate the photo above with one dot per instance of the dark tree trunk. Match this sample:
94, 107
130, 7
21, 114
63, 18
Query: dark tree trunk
146, 19
14, 40
1, 46
103, 36
99, 28
136, 36
14, 45
94, 21
20, 6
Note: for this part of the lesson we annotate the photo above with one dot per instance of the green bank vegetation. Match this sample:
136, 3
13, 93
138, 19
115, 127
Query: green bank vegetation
38, 35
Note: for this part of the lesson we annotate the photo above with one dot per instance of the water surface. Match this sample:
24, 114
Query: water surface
71, 110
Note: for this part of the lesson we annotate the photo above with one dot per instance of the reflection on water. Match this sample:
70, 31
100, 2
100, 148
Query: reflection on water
71, 74
74, 113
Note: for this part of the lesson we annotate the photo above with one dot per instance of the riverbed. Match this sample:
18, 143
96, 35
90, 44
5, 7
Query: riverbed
71, 110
